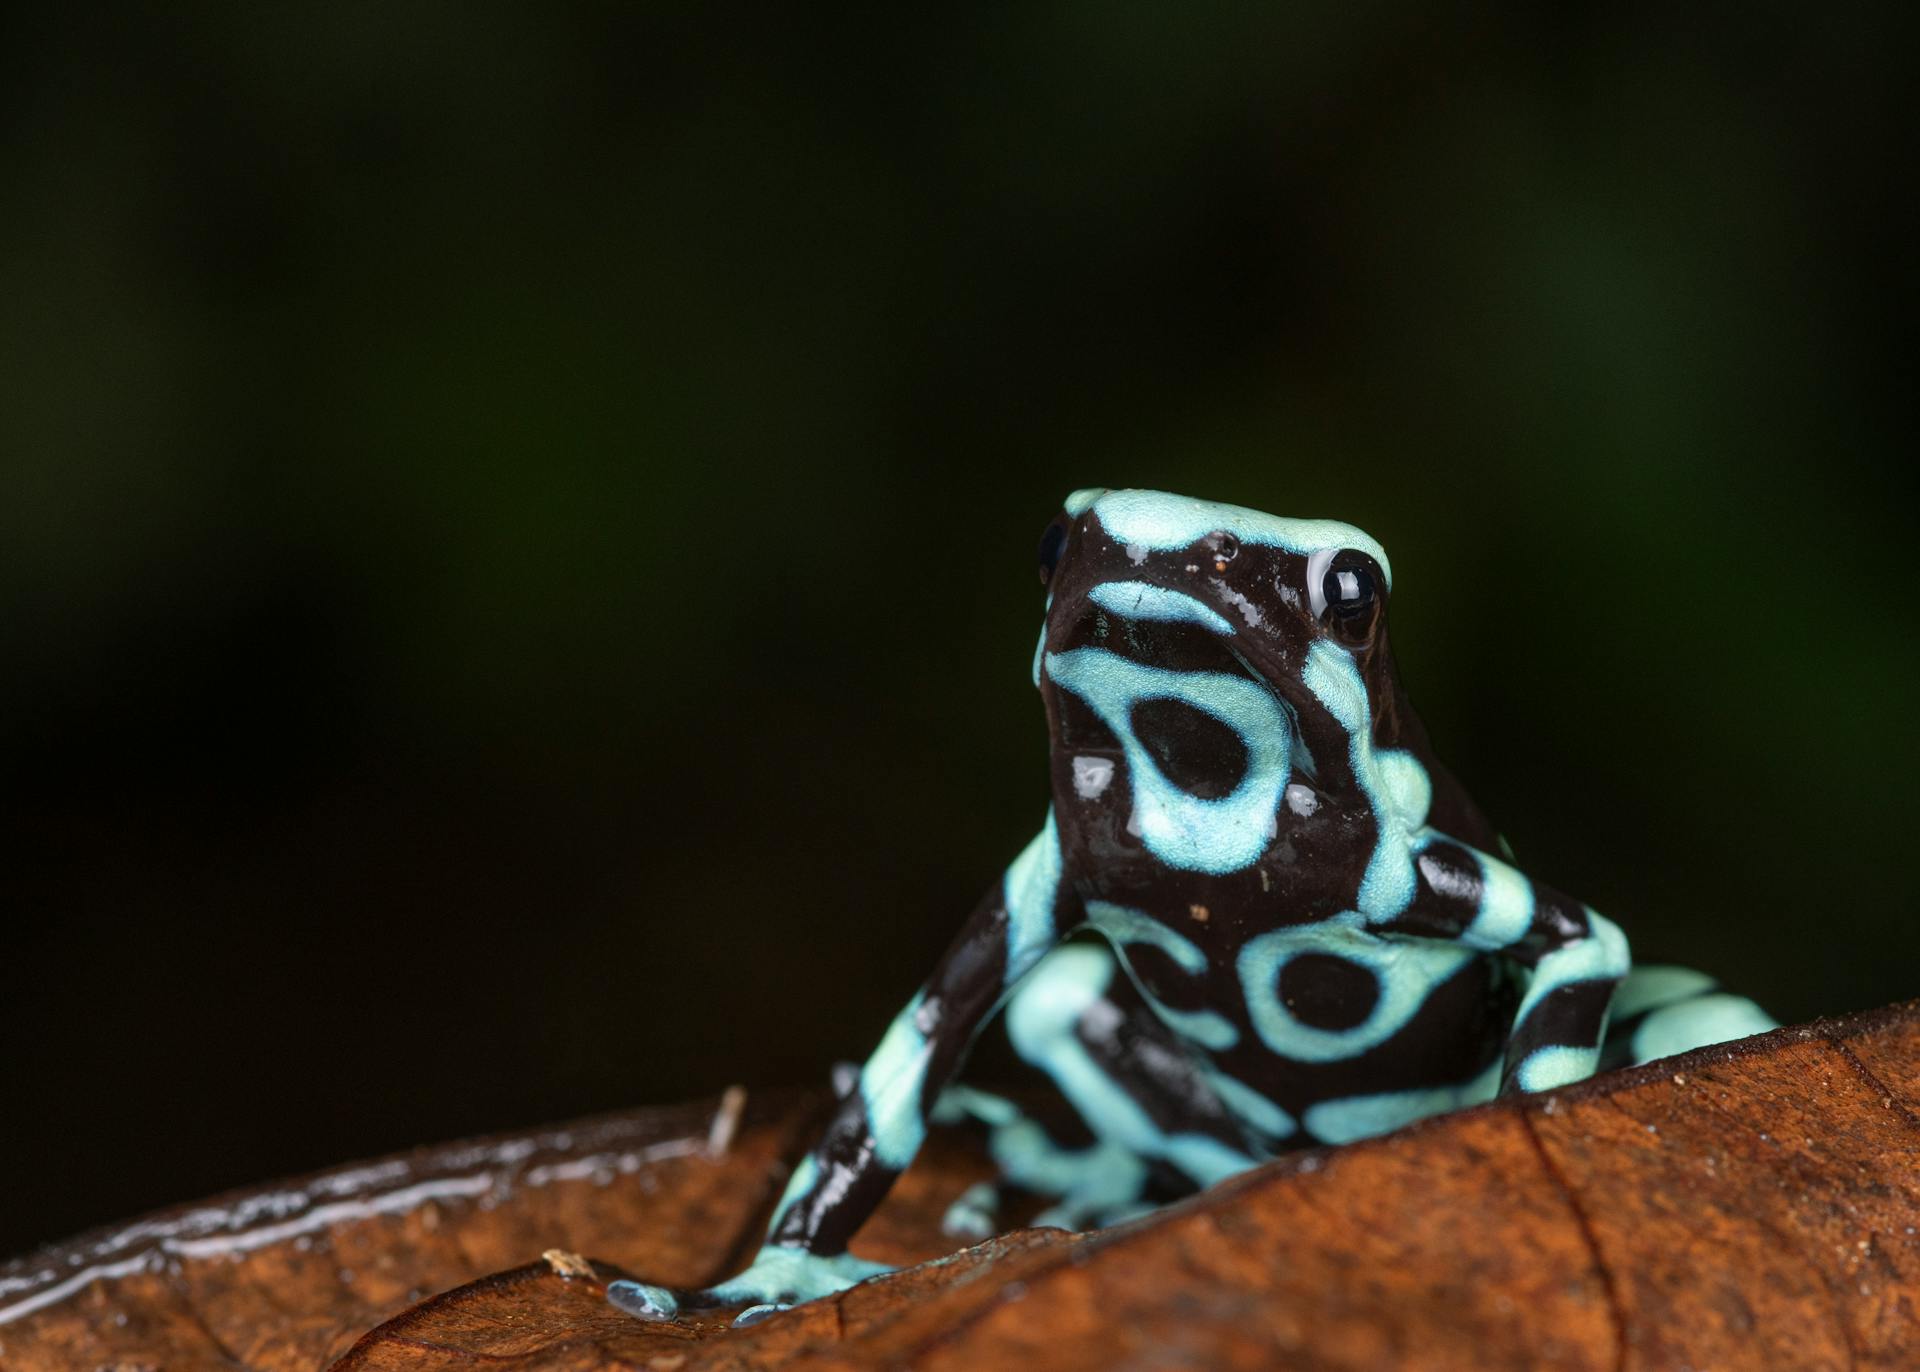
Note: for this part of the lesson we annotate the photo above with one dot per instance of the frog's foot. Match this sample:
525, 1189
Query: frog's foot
1659, 1011
781, 1276
1090, 1186
1091, 1212
975, 1215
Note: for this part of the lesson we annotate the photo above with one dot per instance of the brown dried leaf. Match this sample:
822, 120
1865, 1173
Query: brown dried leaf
1749, 1206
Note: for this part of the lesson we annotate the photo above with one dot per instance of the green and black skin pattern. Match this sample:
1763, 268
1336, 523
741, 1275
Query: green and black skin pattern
1290, 924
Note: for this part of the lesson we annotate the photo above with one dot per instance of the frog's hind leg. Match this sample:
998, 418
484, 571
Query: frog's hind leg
1660, 1011
1146, 1102
1090, 1181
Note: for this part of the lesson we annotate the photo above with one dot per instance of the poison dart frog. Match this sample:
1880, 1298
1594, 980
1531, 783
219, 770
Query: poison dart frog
1291, 924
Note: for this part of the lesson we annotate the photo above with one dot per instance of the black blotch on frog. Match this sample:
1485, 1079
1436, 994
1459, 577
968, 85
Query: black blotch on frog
1192, 749
1328, 992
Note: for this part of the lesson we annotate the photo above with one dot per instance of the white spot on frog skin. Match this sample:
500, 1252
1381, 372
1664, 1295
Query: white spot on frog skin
1138, 553
1248, 610
1144, 600
1301, 799
1091, 776
1182, 830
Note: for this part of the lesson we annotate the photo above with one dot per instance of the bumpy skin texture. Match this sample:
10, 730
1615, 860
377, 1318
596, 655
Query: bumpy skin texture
1308, 932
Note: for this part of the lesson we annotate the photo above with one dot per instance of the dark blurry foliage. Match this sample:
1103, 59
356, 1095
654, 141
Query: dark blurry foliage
517, 522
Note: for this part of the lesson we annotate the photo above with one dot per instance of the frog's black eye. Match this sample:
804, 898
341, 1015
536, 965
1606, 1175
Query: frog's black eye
1052, 543
1348, 591
1344, 590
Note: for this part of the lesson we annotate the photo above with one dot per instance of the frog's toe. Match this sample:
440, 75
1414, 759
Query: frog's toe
753, 1314
783, 1275
779, 1278
975, 1215
643, 1301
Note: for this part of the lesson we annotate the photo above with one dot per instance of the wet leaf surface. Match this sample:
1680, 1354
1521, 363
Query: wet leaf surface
1749, 1206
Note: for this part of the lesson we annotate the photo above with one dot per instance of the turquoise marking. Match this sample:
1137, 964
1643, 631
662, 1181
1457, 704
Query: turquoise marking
1211, 1031
960, 1102
1183, 830
1405, 788
1556, 1065
801, 1182
1031, 887
1144, 600
1406, 970
890, 1087
974, 1215
1251, 1108
1039, 650
1397, 787
1206, 1160
1361, 1117
1506, 906
1159, 522
1092, 1181
1082, 500
1648, 988
1052, 1000
1040, 1023
1601, 955
1123, 926
1332, 676
794, 1274
1696, 1023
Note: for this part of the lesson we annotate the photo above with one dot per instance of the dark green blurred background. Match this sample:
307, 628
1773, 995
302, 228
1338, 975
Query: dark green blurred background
517, 523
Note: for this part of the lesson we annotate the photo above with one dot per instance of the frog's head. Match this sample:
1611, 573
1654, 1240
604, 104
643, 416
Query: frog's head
1211, 651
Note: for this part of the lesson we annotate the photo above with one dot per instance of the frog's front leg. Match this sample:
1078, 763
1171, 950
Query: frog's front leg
882, 1121
1575, 956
